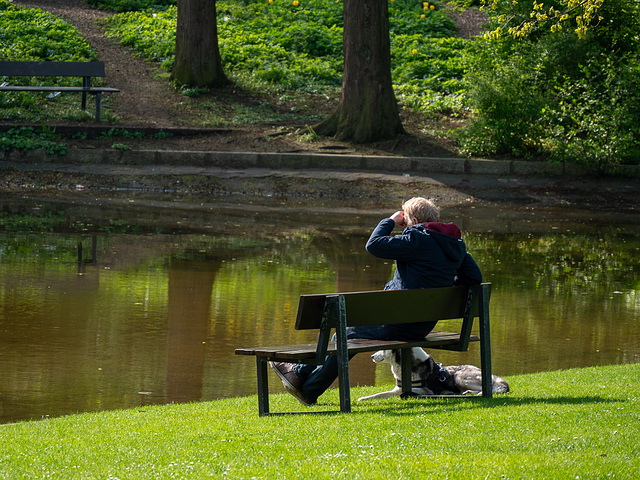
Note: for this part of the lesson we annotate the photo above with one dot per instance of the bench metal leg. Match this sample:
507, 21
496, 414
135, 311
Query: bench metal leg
342, 356
263, 387
485, 342
98, 105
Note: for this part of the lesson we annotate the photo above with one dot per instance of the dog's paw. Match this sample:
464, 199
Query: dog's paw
472, 392
406, 395
368, 397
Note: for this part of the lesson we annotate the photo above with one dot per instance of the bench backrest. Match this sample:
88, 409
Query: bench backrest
390, 306
52, 69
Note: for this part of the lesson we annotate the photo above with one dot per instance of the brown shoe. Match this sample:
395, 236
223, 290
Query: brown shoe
290, 379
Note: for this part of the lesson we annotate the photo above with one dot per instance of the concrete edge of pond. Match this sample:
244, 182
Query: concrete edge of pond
296, 161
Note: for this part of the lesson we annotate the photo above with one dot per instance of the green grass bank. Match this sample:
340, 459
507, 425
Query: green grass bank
577, 424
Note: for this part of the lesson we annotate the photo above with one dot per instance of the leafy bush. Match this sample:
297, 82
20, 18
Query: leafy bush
596, 118
560, 96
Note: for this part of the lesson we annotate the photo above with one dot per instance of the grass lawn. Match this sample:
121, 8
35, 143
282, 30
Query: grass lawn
578, 424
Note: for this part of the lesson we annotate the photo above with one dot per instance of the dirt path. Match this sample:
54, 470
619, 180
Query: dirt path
144, 98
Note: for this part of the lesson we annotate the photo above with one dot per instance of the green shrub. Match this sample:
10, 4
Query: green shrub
596, 119
560, 96
508, 105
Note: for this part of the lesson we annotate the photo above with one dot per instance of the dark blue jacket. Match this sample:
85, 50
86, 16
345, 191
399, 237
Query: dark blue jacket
425, 258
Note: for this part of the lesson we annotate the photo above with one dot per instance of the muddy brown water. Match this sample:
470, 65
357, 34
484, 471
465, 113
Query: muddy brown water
151, 310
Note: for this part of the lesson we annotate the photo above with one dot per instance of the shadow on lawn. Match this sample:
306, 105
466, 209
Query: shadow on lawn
408, 407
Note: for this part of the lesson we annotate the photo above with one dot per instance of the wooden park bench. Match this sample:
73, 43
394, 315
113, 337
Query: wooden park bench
85, 70
325, 312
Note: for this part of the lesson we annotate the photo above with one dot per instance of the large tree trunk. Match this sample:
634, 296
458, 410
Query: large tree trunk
198, 62
368, 110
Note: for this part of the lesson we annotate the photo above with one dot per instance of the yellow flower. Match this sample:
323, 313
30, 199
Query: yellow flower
414, 51
296, 3
422, 16
432, 7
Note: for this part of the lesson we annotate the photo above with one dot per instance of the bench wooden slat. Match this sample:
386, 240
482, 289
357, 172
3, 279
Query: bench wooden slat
51, 69
47, 88
388, 307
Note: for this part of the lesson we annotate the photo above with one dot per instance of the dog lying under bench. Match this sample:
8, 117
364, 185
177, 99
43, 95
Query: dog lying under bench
431, 378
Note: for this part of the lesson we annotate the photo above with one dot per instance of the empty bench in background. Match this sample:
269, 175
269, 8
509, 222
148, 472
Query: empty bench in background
325, 312
84, 70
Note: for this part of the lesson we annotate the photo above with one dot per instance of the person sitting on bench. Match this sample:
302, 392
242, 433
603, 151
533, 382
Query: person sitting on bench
428, 254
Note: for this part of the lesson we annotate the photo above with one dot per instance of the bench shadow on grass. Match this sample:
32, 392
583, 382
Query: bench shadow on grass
409, 406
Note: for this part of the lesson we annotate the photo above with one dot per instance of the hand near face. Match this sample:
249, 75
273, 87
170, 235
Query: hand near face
398, 217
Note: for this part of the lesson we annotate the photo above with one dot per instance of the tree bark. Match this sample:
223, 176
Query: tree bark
198, 62
368, 110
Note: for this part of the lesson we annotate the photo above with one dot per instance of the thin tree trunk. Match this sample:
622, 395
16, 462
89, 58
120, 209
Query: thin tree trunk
368, 110
198, 62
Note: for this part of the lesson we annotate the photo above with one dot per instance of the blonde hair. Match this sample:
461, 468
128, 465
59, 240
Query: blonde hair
421, 209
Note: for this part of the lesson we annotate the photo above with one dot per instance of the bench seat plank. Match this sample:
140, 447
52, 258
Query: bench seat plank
47, 88
35, 68
307, 351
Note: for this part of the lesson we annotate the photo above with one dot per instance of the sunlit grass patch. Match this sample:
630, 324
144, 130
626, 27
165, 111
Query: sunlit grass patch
569, 424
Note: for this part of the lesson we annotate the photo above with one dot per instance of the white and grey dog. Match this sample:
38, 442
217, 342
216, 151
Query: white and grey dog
430, 378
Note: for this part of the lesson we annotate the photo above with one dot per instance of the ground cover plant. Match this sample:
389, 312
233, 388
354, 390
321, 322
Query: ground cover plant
129, 5
581, 423
28, 138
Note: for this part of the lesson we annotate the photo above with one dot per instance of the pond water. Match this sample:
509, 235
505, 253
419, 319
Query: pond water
154, 307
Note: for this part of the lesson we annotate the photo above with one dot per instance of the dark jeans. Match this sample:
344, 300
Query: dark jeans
317, 378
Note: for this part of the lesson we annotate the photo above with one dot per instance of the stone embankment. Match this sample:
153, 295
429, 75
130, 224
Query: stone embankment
378, 179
